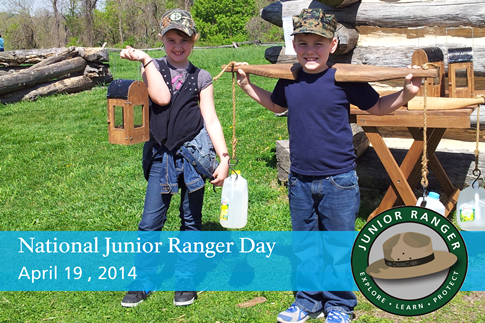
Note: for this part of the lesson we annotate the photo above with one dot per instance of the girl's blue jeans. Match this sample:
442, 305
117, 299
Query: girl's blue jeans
153, 219
324, 203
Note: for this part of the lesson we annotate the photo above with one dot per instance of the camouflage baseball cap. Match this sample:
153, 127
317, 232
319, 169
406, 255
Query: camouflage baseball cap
178, 19
314, 21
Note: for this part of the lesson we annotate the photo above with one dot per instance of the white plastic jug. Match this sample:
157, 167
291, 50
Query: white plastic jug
470, 209
234, 202
433, 203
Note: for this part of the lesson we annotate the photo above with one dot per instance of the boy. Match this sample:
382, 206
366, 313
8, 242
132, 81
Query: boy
322, 188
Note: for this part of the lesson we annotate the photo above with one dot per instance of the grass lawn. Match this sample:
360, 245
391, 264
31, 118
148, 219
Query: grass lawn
59, 173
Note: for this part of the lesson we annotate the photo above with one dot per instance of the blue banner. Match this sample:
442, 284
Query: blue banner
215, 260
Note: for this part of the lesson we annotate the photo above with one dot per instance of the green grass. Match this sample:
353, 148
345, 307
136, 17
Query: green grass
58, 172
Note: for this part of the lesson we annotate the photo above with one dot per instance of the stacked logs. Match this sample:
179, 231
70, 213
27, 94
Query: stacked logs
386, 33
30, 74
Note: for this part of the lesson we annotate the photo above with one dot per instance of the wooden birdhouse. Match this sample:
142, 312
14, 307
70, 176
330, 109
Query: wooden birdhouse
460, 72
128, 121
434, 55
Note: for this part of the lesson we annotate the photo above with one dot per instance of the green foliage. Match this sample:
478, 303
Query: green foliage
73, 41
73, 23
223, 21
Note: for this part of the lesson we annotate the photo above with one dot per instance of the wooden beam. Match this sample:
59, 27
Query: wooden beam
393, 56
28, 78
443, 13
68, 85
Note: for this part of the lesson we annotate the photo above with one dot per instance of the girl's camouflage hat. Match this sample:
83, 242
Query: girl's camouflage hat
180, 20
314, 21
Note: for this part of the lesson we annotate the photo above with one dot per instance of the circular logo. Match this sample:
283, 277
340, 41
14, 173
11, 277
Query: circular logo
176, 16
409, 261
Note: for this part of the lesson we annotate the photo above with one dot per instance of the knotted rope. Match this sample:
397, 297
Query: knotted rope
477, 171
231, 66
424, 157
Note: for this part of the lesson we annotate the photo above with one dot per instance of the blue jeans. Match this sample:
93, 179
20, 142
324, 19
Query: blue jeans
324, 203
154, 217
157, 204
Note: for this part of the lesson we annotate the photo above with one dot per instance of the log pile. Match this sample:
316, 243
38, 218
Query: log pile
30, 74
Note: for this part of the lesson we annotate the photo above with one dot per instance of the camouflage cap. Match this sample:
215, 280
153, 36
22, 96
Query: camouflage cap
314, 21
178, 19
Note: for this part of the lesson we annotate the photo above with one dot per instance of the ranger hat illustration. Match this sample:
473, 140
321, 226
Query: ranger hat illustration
410, 254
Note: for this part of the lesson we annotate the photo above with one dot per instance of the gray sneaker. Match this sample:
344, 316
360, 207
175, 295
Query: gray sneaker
133, 298
184, 298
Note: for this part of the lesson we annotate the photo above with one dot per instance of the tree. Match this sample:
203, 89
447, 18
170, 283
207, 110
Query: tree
89, 6
21, 30
223, 20
73, 23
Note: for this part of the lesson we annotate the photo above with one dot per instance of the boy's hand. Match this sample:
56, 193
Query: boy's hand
242, 77
411, 84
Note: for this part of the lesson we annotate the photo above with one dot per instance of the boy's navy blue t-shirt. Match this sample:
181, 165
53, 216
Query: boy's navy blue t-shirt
318, 120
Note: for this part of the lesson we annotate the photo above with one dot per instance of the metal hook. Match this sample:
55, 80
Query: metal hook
233, 164
425, 193
476, 172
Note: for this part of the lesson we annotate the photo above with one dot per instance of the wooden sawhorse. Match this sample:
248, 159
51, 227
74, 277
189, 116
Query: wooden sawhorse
406, 177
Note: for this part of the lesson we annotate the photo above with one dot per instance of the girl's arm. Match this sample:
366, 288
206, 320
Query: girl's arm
157, 89
394, 101
216, 135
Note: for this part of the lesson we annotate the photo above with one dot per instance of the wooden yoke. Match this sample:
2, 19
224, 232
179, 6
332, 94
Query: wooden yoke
344, 73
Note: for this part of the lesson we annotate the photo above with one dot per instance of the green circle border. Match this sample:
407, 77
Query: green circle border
359, 262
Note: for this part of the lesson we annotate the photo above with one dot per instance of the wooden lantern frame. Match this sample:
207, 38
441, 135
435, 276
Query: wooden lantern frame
461, 92
435, 56
129, 133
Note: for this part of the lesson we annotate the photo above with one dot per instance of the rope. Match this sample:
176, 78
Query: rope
231, 66
477, 139
477, 171
424, 157
234, 140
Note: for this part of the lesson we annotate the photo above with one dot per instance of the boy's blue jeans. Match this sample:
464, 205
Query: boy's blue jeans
324, 203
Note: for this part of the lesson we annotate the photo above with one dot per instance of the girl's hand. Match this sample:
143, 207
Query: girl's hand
133, 54
220, 174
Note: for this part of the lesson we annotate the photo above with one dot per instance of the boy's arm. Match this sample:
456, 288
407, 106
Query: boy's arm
394, 101
216, 135
258, 94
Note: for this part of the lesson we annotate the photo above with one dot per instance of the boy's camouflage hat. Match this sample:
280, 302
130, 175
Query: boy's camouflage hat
314, 21
178, 19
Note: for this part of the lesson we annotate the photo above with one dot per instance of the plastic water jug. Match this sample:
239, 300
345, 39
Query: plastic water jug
234, 202
433, 203
470, 209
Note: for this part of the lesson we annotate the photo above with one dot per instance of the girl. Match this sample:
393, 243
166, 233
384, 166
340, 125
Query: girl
182, 119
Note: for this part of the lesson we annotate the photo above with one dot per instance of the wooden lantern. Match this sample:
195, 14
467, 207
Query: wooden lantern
128, 121
434, 55
459, 60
